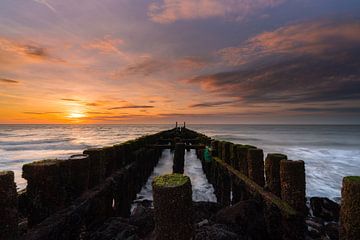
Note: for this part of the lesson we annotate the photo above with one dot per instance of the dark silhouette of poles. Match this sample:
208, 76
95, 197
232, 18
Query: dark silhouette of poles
179, 158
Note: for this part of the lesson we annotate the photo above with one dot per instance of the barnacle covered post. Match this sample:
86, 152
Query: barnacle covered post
256, 166
173, 207
272, 172
350, 208
292, 177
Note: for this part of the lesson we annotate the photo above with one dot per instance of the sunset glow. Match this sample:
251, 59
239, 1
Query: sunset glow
76, 115
160, 61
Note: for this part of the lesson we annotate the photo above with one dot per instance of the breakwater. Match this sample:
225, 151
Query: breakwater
66, 199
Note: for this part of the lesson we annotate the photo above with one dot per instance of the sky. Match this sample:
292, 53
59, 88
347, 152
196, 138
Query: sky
161, 61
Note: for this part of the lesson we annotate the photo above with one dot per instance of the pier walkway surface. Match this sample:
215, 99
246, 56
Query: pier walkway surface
107, 193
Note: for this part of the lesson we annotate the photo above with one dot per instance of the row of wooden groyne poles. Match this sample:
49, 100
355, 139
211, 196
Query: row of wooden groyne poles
65, 197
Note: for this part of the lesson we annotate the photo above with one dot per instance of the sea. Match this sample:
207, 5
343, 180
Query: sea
330, 152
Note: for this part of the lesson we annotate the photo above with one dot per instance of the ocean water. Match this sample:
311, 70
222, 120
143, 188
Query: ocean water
330, 152
202, 189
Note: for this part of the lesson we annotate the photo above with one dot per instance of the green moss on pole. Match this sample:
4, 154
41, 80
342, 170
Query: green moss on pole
173, 207
350, 208
8, 209
292, 178
255, 160
272, 172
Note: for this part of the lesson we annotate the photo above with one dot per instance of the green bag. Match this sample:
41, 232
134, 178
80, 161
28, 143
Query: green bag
207, 154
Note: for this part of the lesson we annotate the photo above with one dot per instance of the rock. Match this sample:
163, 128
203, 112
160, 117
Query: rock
325, 208
244, 217
315, 222
215, 232
204, 210
332, 231
315, 227
202, 223
115, 229
144, 202
143, 218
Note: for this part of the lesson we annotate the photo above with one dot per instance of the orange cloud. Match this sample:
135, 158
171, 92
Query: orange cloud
148, 65
15, 53
169, 11
312, 38
106, 45
8, 81
192, 62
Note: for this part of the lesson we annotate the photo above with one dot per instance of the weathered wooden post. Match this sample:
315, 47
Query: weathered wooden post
78, 174
46, 188
272, 172
350, 208
173, 207
241, 155
97, 166
179, 158
292, 178
255, 162
108, 157
214, 148
226, 152
9, 206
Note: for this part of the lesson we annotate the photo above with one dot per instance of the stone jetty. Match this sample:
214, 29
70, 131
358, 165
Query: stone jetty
91, 195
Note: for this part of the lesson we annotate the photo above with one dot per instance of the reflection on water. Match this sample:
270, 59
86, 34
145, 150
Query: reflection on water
202, 189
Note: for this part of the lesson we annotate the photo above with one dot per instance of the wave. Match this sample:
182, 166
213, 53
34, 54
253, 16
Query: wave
236, 138
36, 142
46, 147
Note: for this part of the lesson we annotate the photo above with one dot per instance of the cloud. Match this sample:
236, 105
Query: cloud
318, 63
211, 115
41, 113
8, 81
132, 107
70, 99
143, 66
47, 4
299, 80
353, 110
107, 45
192, 62
97, 113
149, 65
211, 104
28, 50
309, 38
168, 11
17, 53
116, 117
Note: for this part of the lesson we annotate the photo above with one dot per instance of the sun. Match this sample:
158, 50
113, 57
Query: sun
76, 115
